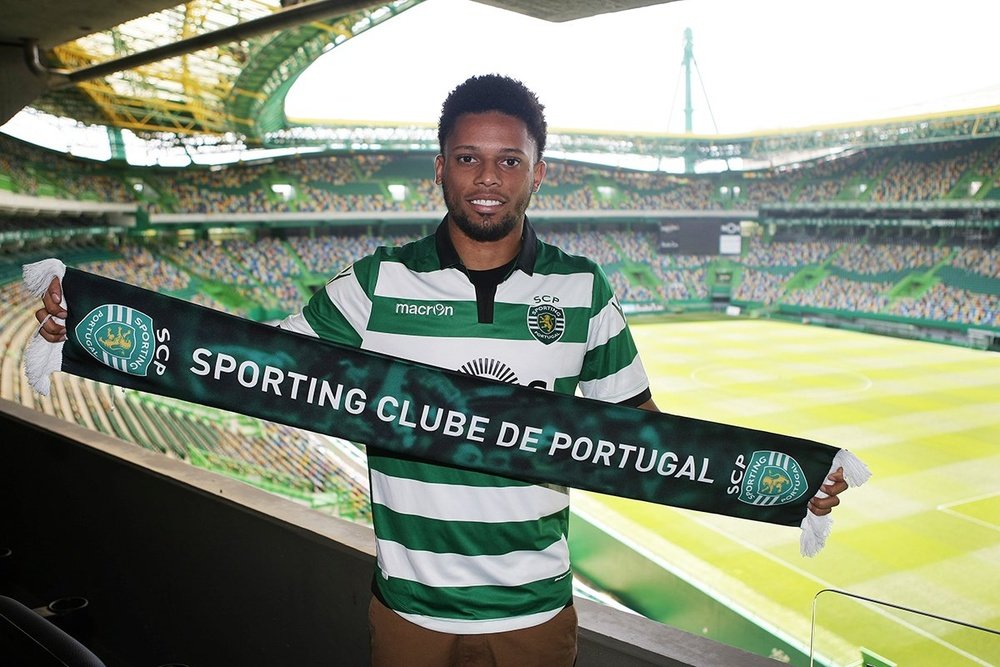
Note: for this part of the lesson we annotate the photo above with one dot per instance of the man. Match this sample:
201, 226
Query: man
472, 568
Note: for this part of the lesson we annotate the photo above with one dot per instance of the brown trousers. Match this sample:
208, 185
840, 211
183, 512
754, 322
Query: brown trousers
396, 642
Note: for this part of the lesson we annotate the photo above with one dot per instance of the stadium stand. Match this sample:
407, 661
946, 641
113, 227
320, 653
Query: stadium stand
825, 261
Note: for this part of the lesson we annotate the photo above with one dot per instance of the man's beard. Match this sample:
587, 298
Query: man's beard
487, 230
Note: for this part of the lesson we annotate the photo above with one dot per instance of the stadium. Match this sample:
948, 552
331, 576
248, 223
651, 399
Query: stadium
842, 285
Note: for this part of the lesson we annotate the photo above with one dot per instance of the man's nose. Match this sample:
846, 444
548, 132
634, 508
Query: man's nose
488, 175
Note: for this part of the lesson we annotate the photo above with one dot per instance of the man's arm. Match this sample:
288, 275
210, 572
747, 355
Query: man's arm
649, 405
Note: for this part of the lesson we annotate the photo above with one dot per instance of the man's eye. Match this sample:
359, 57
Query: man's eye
511, 162
465, 159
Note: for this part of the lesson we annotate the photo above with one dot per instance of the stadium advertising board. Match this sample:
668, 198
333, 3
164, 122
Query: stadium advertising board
699, 237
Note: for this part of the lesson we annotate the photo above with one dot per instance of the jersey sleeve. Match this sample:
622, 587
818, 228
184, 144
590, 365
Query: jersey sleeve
612, 369
339, 312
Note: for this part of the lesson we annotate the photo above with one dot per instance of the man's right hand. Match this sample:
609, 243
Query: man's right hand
52, 330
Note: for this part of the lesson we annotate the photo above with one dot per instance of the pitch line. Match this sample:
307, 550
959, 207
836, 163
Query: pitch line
947, 509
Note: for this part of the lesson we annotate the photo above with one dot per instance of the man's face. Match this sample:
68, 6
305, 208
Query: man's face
487, 173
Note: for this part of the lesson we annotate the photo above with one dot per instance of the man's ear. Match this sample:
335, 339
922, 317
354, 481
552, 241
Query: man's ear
538, 175
439, 169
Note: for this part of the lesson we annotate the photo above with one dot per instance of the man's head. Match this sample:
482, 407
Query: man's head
494, 92
492, 134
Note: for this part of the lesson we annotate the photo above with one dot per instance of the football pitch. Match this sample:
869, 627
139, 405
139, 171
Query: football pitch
923, 533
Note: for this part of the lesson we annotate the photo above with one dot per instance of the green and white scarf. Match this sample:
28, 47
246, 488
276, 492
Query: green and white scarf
136, 338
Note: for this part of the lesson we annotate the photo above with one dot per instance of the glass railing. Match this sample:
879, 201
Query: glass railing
850, 630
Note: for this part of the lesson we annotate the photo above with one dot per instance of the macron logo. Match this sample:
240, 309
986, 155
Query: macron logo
435, 310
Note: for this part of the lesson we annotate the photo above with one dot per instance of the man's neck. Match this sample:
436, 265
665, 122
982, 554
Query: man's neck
482, 256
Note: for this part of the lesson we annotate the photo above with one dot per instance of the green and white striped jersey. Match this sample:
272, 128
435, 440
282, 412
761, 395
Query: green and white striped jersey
462, 551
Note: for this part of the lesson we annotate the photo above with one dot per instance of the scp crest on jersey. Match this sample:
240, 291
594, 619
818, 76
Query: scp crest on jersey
546, 323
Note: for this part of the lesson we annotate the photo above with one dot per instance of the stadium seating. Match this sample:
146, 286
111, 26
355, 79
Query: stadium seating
834, 264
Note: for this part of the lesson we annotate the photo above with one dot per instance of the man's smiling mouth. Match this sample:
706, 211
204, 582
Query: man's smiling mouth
486, 202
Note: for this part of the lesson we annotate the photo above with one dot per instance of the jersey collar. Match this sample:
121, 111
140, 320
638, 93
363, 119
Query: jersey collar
448, 256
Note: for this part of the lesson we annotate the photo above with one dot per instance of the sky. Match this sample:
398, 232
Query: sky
760, 65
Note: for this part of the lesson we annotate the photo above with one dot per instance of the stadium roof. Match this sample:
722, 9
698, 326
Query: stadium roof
204, 67
210, 72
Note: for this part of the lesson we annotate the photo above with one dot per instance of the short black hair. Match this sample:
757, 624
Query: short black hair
494, 92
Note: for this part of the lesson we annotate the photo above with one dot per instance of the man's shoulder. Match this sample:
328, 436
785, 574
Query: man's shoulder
553, 259
413, 254
418, 256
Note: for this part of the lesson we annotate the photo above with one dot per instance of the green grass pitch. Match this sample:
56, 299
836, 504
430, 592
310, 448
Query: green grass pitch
923, 533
